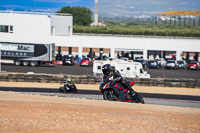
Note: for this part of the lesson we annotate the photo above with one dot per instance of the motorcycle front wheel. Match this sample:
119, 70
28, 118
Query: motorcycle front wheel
108, 95
75, 90
138, 98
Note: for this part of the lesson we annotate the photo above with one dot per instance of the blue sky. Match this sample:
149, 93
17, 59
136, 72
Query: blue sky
107, 8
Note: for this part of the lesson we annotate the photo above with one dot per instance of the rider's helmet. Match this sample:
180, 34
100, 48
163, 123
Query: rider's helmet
106, 69
69, 80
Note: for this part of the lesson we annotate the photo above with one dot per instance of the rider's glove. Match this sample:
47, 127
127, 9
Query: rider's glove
111, 78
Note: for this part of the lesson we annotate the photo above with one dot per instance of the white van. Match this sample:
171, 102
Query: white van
128, 69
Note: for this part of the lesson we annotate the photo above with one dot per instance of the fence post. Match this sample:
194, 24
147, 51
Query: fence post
189, 20
155, 20
184, 21
174, 21
199, 20
170, 20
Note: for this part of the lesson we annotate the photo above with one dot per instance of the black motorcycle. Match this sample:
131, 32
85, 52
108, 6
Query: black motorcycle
68, 87
108, 91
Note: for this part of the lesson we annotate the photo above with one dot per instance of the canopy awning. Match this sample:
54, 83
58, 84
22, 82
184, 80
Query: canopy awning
178, 13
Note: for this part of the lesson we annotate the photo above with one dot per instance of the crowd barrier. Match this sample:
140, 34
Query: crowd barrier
88, 79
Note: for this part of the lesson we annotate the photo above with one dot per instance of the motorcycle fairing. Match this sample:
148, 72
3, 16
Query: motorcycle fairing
132, 83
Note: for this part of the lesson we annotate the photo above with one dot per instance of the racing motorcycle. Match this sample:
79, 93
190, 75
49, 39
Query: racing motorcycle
107, 89
68, 87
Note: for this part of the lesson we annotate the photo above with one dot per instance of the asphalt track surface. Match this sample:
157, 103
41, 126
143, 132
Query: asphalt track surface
157, 99
77, 70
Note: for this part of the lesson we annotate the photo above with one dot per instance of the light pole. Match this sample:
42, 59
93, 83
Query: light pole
96, 13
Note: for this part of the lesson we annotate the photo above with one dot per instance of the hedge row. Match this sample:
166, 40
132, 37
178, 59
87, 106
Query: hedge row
141, 30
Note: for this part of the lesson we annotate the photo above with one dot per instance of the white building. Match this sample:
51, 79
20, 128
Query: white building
26, 27
32, 27
138, 43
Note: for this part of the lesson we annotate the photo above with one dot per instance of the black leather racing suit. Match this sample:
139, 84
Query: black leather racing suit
116, 77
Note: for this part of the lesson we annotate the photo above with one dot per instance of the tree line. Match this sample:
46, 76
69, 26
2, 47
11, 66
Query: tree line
82, 16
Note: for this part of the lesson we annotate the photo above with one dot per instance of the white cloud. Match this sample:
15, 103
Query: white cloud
12, 6
144, 7
60, 1
142, 16
25, 8
183, 3
120, 5
114, 14
44, 10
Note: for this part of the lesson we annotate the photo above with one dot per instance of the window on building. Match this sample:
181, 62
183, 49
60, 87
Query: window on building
69, 30
52, 30
11, 29
3, 28
6, 28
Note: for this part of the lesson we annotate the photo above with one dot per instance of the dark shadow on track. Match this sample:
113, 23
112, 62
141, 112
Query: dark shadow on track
96, 92
25, 89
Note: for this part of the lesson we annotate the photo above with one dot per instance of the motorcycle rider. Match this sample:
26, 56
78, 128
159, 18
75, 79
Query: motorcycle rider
115, 76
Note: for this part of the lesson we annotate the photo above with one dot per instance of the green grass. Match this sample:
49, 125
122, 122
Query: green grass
164, 30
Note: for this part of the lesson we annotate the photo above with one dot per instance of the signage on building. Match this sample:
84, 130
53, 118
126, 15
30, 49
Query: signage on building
16, 50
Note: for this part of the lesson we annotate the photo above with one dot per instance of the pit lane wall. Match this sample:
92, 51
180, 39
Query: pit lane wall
88, 79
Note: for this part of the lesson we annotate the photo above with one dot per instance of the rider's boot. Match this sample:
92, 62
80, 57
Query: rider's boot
131, 91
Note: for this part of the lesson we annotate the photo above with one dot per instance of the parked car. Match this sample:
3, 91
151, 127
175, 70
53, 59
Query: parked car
124, 58
154, 64
171, 64
68, 60
193, 65
111, 59
86, 62
57, 62
181, 64
142, 61
161, 61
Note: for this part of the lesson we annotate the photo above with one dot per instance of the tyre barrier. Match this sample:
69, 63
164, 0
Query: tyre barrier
89, 79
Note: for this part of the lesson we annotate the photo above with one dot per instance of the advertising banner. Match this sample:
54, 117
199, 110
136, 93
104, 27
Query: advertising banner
16, 50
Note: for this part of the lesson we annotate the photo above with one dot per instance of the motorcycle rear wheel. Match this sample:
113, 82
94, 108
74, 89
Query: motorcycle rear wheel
62, 89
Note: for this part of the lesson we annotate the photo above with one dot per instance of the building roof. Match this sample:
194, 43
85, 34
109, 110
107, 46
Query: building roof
195, 13
35, 13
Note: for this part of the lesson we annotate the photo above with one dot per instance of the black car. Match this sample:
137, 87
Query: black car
142, 61
68, 60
